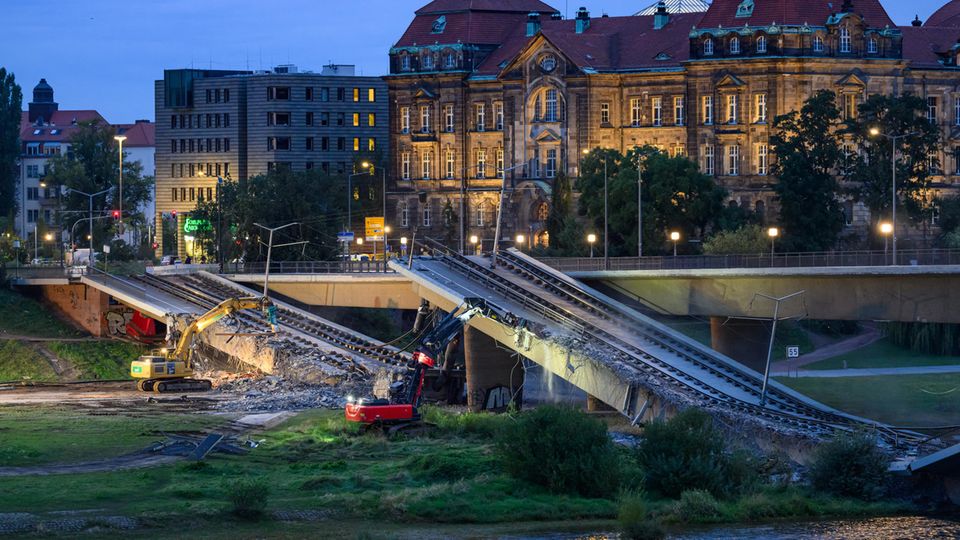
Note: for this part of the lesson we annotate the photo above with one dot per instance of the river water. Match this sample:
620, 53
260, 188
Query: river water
895, 528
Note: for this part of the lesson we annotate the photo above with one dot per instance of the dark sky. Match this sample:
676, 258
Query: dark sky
105, 54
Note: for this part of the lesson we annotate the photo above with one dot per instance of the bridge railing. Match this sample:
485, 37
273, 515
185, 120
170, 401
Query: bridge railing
911, 257
309, 267
43, 271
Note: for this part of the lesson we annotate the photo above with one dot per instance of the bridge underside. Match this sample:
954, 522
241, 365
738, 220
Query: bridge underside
906, 294
339, 290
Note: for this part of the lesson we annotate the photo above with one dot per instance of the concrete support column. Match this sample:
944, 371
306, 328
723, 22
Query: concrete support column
744, 340
494, 375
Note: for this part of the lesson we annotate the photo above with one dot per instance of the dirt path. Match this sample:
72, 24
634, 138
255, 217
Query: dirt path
868, 337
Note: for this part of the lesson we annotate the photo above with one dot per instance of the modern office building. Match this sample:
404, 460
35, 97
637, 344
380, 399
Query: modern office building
239, 124
482, 86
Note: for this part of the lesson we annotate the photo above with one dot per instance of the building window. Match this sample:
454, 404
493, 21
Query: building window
341, 94
550, 171
849, 106
450, 61
604, 114
635, 112
226, 120
356, 95
404, 120
275, 93
480, 214
451, 160
762, 159
956, 111
340, 118
872, 45
425, 119
956, 160
732, 109
33, 216
277, 143
734, 45
481, 163
448, 118
356, 119
356, 144
709, 160
679, 150
498, 116
426, 163
324, 119
308, 143
550, 113
932, 103
933, 164
405, 165
226, 145
371, 144
173, 121
817, 44
371, 120
656, 104
278, 119
481, 116
427, 217
324, 94
341, 143
733, 160
404, 215
499, 162
428, 62
371, 95
324, 143
760, 104
33, 193
308, 119
678, 110
708, 47
761, 44
707, 113
845, 41
308, 93
209, 93
405, 63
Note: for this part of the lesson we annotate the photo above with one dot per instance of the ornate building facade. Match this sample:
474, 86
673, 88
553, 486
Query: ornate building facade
482, 90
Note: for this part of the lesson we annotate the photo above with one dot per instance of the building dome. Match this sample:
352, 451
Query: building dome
43, 92
947, 16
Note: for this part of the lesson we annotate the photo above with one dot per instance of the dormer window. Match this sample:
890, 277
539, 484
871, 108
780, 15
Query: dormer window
761, 44
405, 63
872, 45
745, 9
428, 61
734, 45
450, 61
439, 25
817, 44
708, 47
845, 41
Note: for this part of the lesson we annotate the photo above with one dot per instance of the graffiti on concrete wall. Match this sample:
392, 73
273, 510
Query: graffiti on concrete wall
117, 322
498, 398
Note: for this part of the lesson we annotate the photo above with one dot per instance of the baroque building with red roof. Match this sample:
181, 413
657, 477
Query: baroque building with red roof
480, 89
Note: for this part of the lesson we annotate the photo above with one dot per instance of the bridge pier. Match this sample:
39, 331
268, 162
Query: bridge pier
494, 374
744, 340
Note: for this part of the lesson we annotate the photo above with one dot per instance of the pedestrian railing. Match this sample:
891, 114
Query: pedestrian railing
309, 267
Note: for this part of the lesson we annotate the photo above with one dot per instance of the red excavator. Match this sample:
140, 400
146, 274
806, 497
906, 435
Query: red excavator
429, 353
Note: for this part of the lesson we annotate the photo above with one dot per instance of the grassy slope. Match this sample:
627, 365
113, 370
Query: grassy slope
23, 316
19, 362
54, 434
103, 360
883, 354
907, 400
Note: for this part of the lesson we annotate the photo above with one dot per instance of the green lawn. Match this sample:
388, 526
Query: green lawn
788, 333
56, 434
908, 400
20, 362
883, 354
101, 360
24, 316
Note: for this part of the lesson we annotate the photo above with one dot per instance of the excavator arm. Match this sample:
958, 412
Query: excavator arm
225, 309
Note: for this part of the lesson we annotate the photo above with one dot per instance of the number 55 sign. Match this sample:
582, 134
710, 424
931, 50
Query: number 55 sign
793, 351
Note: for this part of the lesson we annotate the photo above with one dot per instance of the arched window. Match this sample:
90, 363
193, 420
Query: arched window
543, 212
817, 44
708, 47
450, 60
761, 44
734, 45
845, 41
405, 62
547, 106
428, 61
872, 45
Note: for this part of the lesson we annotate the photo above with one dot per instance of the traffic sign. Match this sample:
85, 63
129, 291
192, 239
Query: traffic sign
374, 229
345, 237
793, 351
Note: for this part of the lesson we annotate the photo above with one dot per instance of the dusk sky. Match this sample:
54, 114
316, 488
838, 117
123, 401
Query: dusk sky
105, 54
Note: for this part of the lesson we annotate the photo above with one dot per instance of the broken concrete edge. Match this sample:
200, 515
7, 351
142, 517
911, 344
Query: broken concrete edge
696, 345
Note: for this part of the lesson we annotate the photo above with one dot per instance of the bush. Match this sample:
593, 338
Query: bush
563, 449
850, 465
635, 523
688, 452
750, 239
248, 497
697, 505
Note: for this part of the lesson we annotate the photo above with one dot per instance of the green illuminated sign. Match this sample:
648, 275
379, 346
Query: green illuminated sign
192, 225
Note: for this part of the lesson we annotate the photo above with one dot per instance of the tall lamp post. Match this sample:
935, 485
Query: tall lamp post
266, 271
639, 204
875, 131
773, 233
90, 197
591, 239
675, 237
120, 139
886, 228
503, 190
606, 228
349, 227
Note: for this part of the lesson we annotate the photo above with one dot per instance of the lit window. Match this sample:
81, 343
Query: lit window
733, 160
356, 95
762, 159
371, 95
709, 163
372, 120
760, 103
371, 144
707, 113
657, 107
678, 110
635, 112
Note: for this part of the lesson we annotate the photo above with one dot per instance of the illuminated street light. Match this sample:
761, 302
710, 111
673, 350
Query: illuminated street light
403, 240
875, 132
519, 240
359, 241
591, 239
675, 237
886, 229
773, 233
475, 241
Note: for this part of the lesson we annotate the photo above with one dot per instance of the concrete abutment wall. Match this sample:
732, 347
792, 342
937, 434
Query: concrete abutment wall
494, 374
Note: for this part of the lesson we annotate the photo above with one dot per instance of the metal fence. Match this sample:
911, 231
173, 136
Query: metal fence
309, 267
916, 257
44, 272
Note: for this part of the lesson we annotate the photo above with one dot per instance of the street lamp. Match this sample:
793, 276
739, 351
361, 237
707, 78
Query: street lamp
639, 204
90, 197
875, 131
403, 246
365, 165
606, 228
475, 242
773, 233
519, 241
886, 229
591, 239
120, 139
675, 237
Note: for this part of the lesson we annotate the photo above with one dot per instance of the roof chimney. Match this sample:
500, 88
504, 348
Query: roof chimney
583, 20
533, 23
917, 21
661, 17
556, 16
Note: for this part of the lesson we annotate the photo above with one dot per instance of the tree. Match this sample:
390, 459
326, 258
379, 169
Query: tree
916, 161
676, 196
749, 239
807, 146
567, 238
91, 167
11, 103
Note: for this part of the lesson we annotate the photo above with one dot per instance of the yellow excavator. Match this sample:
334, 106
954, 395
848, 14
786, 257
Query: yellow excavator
171, 370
